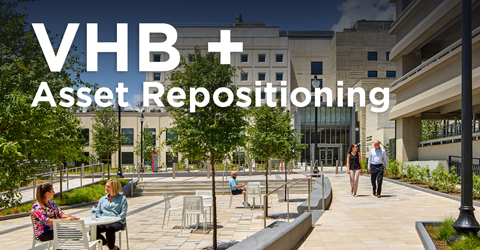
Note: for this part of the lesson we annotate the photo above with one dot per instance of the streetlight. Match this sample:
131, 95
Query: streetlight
120, 169
141, 141
315, 84
466, 222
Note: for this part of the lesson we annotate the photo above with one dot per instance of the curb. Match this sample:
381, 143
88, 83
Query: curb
448, 196
423, 234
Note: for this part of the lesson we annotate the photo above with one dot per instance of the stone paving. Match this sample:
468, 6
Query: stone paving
145, 217
364, 222
367, 222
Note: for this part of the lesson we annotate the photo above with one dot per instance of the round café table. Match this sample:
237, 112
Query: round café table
99, 221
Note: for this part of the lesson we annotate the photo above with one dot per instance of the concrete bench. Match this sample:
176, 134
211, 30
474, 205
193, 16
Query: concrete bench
279, 235
316, 202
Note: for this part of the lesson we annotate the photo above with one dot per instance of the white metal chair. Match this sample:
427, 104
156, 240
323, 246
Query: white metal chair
207, 202
253, 190
193, 205
120, 238
36, 240
72, 235
231, 198
168, 208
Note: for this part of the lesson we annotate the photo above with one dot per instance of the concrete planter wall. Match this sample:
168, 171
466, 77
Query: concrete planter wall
423, 234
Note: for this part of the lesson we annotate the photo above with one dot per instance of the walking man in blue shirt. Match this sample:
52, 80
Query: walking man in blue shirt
237, 188
376, 160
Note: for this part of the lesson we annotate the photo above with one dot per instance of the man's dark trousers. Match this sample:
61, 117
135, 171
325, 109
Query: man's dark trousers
377, 177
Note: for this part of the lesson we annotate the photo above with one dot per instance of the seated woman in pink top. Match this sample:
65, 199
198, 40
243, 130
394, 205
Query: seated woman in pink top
44, 212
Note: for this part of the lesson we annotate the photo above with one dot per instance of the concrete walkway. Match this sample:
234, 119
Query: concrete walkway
367, 222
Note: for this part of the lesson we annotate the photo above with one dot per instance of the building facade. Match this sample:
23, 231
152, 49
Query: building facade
304, 59
428, 60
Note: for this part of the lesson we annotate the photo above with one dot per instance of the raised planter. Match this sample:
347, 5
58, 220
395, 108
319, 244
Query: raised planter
423, 234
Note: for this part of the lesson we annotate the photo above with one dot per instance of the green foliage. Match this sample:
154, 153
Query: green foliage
446, 230
476, 186
105, 134
469, 242
148, 145
443, 180
121, 180
364, 165
33, 136
393, 168
409, 172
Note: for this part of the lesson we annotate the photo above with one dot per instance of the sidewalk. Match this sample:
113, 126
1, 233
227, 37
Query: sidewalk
367, 222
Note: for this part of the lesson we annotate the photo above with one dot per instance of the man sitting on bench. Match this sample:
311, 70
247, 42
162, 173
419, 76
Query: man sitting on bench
237, 188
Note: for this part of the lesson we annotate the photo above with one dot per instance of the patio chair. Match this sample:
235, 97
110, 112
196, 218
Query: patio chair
168, 208
207, 202
71, 234
36, 240
193, 205
120, 238
253, 190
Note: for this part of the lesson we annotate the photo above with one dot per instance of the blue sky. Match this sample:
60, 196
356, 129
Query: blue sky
288, 15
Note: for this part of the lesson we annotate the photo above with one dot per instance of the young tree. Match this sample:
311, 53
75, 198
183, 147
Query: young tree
267, 135
32, 138
106, 139
211, 132
148, 145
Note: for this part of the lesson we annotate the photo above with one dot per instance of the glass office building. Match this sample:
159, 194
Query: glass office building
335, 132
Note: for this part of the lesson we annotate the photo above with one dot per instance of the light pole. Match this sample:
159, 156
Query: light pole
120, 169
466, 222
141, 141
316, 84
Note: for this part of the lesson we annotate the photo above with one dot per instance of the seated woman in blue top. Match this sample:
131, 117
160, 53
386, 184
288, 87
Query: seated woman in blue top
112, 204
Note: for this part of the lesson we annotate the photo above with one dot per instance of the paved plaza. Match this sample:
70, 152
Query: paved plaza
364, 222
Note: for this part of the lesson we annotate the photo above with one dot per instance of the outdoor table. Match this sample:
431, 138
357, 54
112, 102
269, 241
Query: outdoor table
99, 221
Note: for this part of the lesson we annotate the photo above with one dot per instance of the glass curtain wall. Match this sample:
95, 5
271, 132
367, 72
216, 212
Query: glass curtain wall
333, 128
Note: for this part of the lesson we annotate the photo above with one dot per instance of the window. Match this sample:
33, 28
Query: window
156, 76
154, 131
244, 58
261, 58
171, 160
313, 84
171, 136
85, 135
316, 68
279, 76
391, 74
156, 58
388, 56
278, 95
128, 133
244, 76
127, 157
372, 73
279, 58
372, 56
261, 76
263, 95
190, 58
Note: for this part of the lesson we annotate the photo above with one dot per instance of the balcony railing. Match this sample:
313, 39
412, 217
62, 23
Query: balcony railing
435, 58
449, 131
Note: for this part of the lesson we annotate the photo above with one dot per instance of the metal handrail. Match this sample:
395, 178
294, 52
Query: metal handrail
434, 58
308, 178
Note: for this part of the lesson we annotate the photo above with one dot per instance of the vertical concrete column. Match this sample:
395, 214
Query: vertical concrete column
409, 135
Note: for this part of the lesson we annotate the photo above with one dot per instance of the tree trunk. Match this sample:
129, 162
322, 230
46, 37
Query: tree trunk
214, 204
266, 186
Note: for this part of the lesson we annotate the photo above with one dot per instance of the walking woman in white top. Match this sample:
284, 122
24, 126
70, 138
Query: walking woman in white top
354, 168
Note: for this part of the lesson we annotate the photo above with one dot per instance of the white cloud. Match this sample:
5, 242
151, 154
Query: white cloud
354, 10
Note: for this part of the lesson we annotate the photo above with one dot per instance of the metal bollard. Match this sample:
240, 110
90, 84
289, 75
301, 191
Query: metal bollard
336, 169
174, 170
341, 168
67, 179
308, 192
321, 165
103, 171
34, 186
